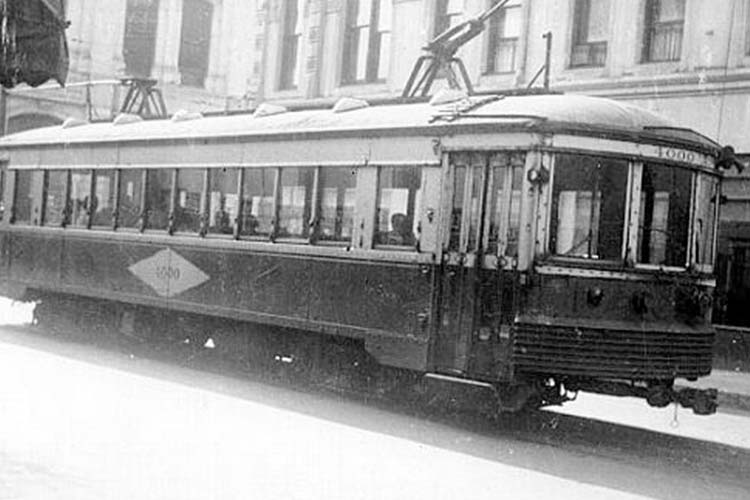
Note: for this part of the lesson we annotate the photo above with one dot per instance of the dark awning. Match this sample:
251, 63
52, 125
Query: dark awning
33, 48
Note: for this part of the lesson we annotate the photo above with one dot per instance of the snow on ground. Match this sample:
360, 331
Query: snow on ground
633, 412
15, 313
72, 430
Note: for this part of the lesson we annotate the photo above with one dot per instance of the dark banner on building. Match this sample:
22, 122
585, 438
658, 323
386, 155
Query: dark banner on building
33, 48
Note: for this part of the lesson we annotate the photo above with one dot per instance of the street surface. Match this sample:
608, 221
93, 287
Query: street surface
80, 423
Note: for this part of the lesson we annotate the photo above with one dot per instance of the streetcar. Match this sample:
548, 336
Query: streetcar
538, 245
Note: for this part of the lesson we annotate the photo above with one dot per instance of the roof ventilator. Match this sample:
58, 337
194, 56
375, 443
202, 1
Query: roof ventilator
349, 104
184, 115
71, 122
125, 118
268, 109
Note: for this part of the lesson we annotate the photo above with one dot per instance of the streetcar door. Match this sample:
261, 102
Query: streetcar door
464, 180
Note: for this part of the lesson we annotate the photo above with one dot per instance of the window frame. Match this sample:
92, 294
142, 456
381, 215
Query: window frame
316, 235
411, 206
351, 51
496, 38
626, 213
234, 223
147, 210
290, 49
114, 222
651, 24
201, 214
596, 50
65, 219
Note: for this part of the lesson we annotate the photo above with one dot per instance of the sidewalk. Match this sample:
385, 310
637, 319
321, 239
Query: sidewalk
734, 388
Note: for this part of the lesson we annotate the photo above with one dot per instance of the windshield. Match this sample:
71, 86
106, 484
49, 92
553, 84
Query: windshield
588, 206
664, 216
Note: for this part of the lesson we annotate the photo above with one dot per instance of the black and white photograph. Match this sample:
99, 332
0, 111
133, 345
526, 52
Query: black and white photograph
374, 249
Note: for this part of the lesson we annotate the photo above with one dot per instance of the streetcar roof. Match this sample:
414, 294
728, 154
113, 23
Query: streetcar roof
546, 112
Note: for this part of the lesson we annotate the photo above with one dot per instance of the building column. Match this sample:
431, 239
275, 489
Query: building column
167, 51
218, 53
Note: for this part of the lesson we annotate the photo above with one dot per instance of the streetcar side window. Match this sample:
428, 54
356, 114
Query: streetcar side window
103, 204
588, 207
337, 201
55, 193
258, 209
188, 204
22, 198
130, 199
296, 201
398, 200
80, 198
664, 215
223, 203
158, 198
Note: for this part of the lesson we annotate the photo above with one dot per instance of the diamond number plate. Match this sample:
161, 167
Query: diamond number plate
168, 273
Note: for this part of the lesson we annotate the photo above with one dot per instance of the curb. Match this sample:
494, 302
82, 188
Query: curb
734, 401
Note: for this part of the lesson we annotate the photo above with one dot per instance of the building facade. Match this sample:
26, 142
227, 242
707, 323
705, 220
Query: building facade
686, 59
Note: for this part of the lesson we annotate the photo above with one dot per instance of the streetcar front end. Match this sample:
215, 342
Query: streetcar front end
619, 296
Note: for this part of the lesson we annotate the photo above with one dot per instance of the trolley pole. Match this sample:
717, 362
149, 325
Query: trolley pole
547, 57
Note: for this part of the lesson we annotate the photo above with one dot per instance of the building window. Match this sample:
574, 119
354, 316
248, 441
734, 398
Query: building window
55, 195
747, 28
367, 38
195, 41
141, 17
590, 30
663, 30
398, 203
447, 14
504, 32
293, 16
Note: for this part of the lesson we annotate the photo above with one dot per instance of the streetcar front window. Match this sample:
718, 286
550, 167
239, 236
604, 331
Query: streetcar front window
588, 207
664, 215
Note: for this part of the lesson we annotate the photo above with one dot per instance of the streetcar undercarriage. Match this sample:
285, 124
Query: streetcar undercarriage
335, 362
